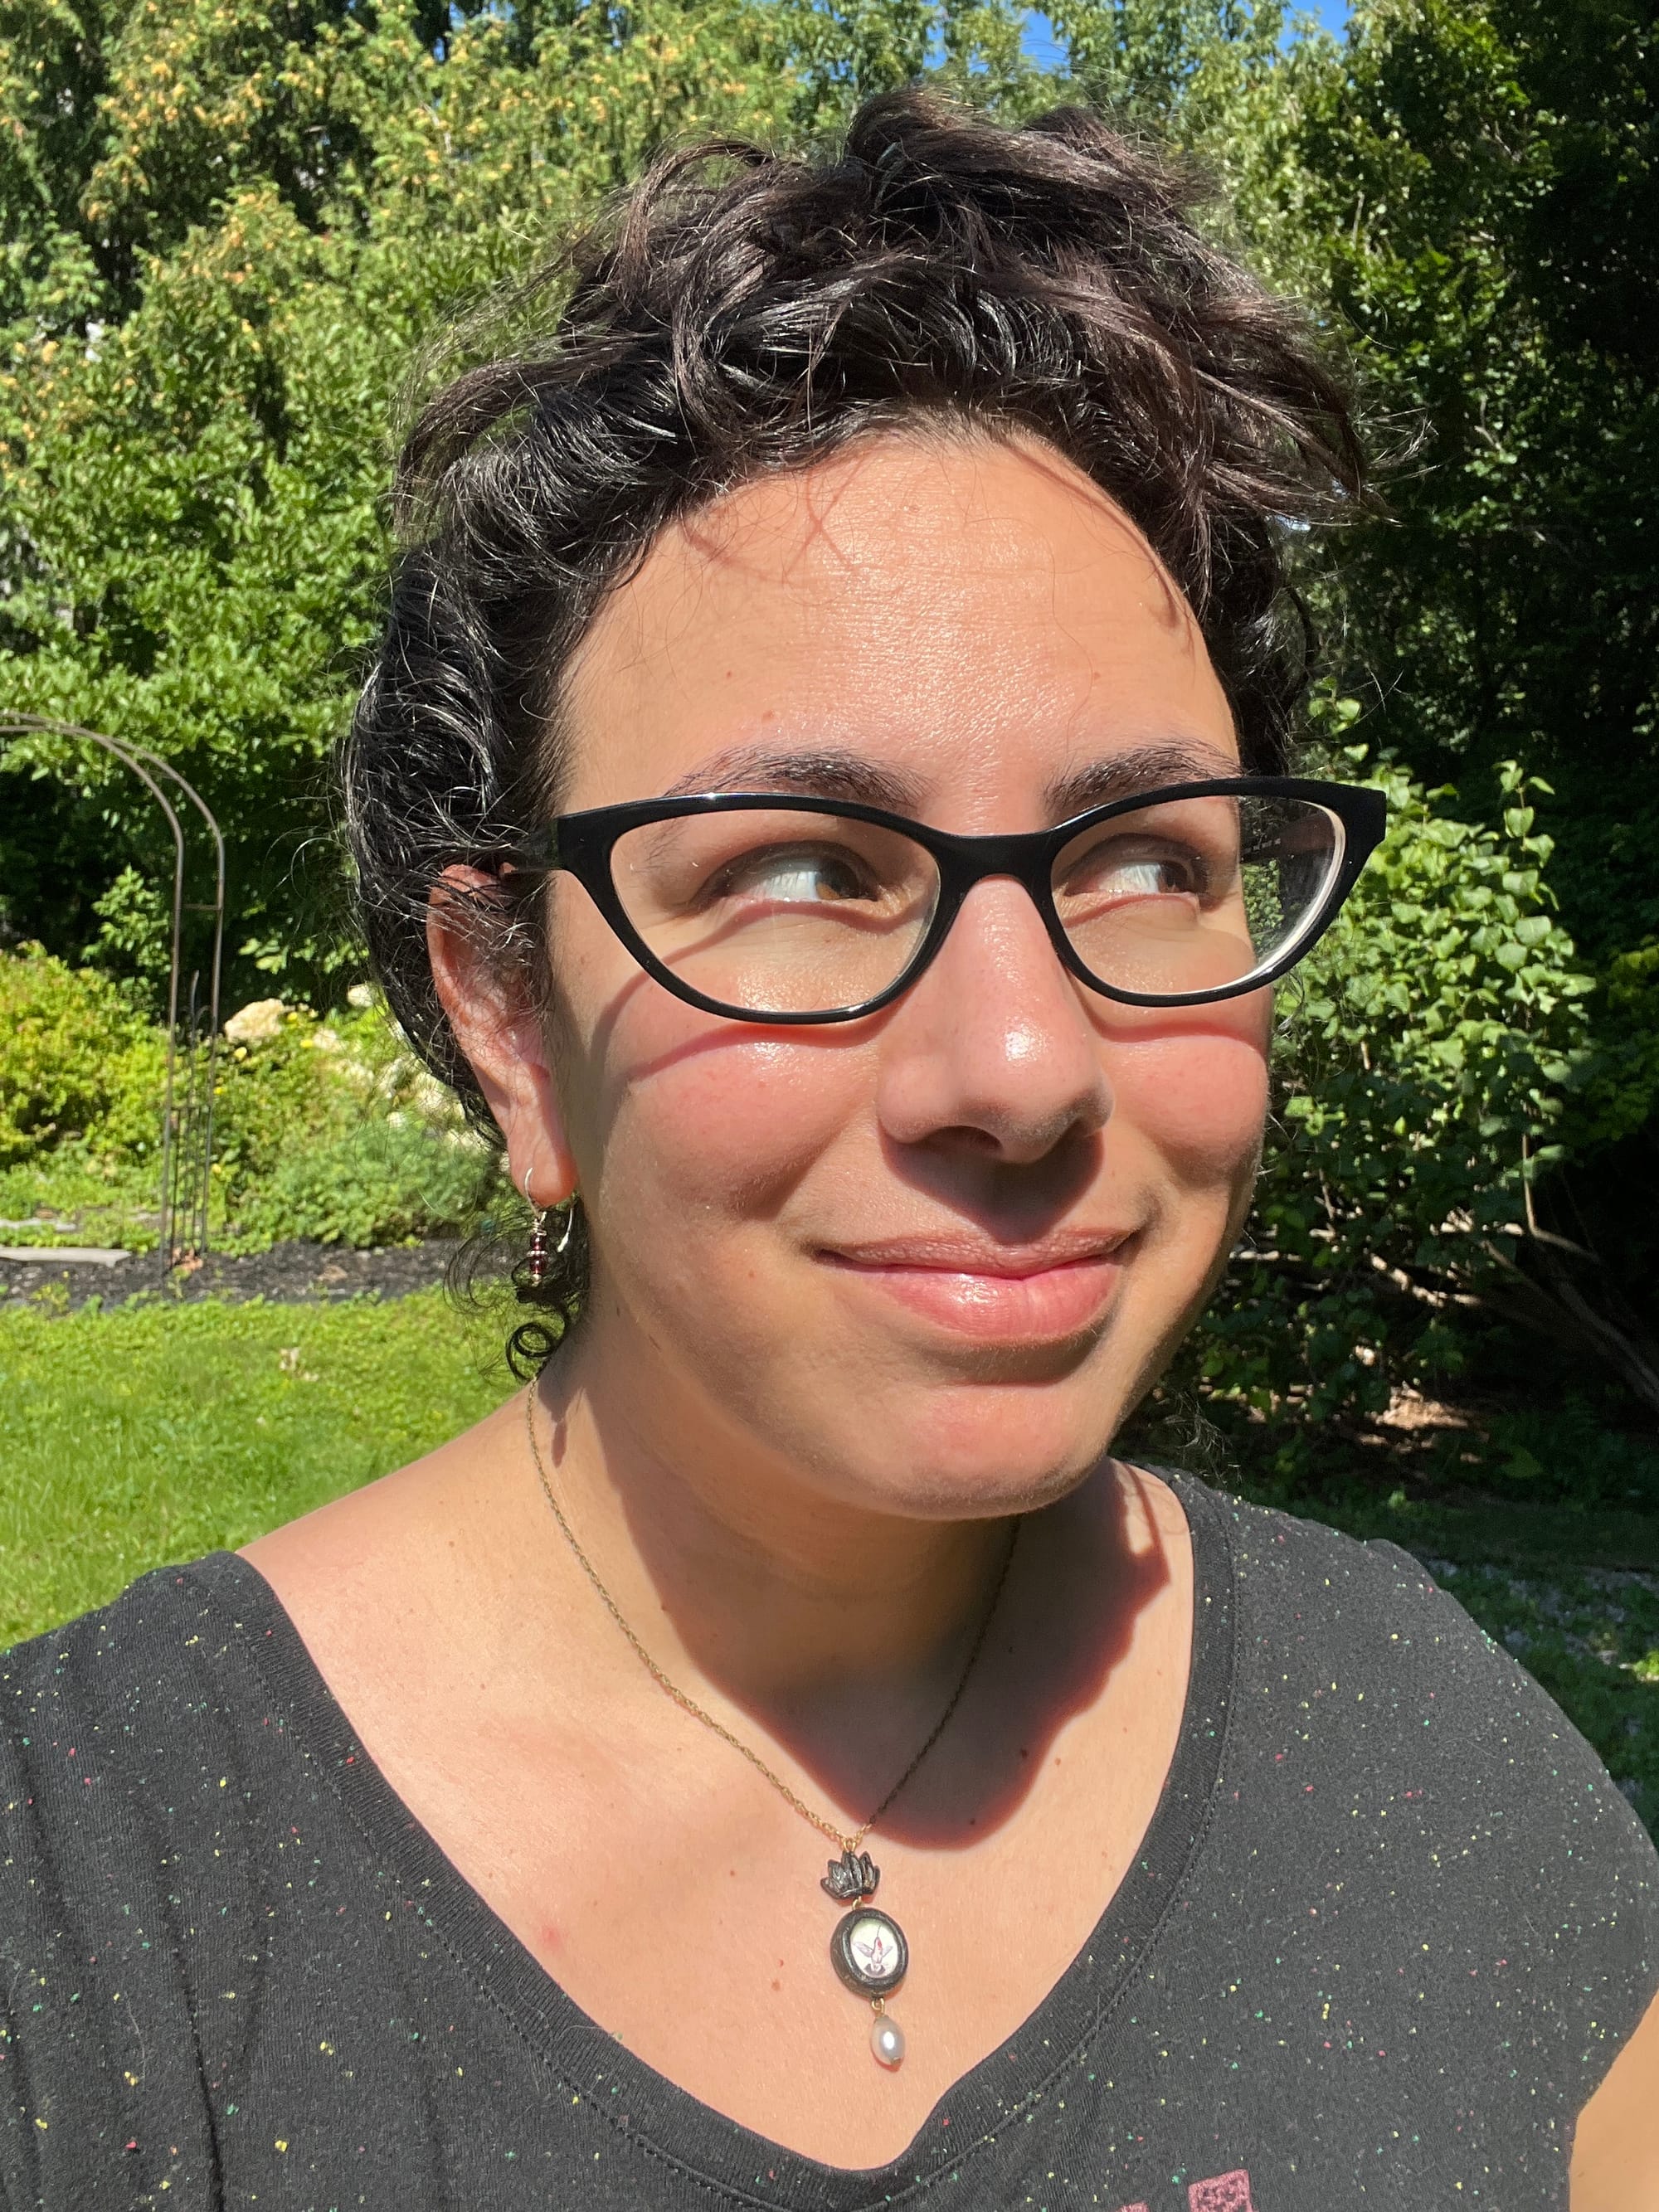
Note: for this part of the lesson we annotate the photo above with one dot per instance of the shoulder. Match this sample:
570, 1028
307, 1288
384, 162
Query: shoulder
124, 1745
1328, 1624
1312, 1601
1281, 1552
121, 1691
1392, 1756
146, 1778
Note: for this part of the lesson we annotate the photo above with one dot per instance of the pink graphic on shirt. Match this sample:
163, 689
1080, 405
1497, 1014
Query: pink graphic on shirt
1223, 2192
1227, 2192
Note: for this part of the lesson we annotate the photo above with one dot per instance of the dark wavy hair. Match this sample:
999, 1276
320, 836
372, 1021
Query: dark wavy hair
739, 311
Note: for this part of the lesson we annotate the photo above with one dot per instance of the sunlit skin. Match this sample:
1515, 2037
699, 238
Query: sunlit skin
861, 1294
997, 1111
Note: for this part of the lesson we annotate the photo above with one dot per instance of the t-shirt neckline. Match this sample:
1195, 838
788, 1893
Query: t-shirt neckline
669, 2124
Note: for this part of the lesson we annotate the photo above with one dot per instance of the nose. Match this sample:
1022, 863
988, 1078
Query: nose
992, 1052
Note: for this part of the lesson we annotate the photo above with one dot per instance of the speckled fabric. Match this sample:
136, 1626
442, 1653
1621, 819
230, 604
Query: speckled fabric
1388, 1927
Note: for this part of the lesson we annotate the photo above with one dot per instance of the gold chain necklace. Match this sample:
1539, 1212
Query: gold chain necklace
868, 1948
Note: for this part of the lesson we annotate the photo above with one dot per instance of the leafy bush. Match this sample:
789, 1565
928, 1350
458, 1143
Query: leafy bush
321, 1129
332, 1130
379, 1183
1429, 1047
1623, 1101
75, 1061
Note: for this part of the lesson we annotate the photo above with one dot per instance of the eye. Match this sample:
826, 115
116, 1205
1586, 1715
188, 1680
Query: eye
793, 875
1120, 869
1139, 879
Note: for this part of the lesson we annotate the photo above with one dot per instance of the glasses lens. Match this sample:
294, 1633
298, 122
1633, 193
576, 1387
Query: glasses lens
1193, 894
777, 911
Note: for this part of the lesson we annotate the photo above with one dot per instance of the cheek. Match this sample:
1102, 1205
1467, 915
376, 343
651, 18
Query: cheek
687, 1119
732, 1127
678, 1116
1197, 1101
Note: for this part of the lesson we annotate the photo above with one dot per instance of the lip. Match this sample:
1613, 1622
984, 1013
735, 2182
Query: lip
1043, 1292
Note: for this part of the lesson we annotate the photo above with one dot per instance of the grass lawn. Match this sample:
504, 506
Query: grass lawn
155, 1433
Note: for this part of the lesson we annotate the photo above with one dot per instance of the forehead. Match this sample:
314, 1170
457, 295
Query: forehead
973, 619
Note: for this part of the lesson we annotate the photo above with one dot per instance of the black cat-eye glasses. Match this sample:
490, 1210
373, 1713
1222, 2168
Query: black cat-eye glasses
771, 907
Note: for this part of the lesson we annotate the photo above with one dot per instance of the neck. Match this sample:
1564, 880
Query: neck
735, 1567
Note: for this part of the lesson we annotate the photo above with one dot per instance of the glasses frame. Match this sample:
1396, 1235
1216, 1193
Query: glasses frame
582, 844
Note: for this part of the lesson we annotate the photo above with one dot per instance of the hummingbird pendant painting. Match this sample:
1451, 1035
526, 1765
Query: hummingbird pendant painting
868, 1949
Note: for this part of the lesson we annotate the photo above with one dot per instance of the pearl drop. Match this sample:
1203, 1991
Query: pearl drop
887, 2041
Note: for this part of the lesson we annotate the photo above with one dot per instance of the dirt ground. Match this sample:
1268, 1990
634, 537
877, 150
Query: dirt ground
286, 1273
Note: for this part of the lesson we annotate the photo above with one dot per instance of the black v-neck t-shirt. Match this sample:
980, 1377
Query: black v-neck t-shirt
1386, 1931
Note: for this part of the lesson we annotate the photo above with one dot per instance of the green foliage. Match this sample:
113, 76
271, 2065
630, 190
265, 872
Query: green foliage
1430, 1046
75, 1062
1465, 187
70, 1195
159, 1431
1568, 1449
321, 1129
329, 1130
377, 1184
1624, 1100
211, 310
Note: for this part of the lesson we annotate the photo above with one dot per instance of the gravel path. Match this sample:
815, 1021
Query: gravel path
287, 1274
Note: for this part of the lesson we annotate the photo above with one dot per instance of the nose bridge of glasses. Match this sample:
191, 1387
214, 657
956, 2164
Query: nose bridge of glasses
1024, 857
966, 864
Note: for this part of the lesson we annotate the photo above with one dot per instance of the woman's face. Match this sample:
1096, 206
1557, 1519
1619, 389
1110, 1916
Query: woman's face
932, 1258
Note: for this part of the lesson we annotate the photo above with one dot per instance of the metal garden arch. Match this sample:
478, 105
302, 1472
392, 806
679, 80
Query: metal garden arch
192, 1005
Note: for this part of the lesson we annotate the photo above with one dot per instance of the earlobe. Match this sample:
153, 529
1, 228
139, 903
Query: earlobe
499, 1028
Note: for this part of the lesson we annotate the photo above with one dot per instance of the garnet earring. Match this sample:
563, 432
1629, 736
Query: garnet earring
542, 1251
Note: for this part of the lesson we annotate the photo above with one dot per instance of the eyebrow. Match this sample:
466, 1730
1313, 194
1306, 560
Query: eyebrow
829, 772
821, 772
1140, 768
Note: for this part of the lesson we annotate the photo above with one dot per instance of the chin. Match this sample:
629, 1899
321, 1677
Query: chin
981, 1454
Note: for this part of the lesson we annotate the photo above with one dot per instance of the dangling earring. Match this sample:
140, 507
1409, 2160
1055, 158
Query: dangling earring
536, 1263
541, 1252
536, 1272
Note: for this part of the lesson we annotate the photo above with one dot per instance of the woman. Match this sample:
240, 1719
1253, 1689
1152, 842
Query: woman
821, 796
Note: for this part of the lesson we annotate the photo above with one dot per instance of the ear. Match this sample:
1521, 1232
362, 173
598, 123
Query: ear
498, 1027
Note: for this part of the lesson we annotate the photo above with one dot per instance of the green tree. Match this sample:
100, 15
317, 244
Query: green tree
1476, 193
1468, 187
215, 312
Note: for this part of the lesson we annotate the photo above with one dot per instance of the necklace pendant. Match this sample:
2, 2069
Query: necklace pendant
886, 2039
850, 1876
869, 1952
867, 1949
